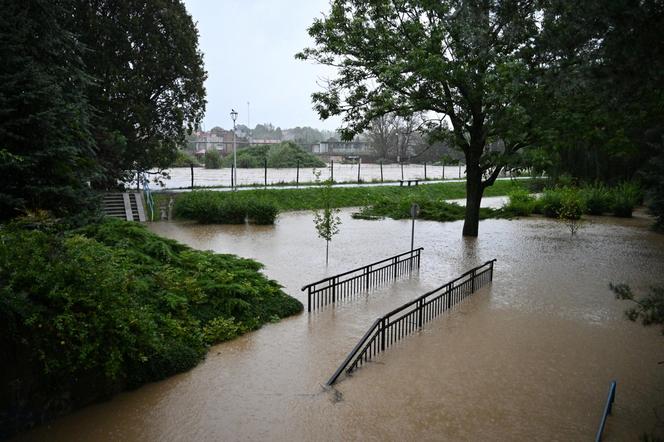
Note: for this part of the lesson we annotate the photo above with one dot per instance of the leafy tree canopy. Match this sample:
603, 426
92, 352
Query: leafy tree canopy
465, 62
46, 152
148, 90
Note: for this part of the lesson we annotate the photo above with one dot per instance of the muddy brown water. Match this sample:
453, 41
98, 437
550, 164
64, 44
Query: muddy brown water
528, 357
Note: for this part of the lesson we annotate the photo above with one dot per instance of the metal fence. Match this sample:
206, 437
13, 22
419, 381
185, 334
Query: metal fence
341, 286
408, 318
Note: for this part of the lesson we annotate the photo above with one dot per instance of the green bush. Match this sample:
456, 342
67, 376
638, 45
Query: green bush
87, 313
262, 212
598, 199
286, 154
520, 203
625, 197
551, 202
572, 206
184, 159
225, 207
212, 159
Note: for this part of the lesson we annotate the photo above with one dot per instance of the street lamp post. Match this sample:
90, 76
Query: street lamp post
234, 117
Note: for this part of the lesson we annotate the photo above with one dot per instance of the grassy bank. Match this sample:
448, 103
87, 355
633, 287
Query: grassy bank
311, 198
90, 312
285, 154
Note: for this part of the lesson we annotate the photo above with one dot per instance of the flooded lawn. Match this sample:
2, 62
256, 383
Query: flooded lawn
528, 357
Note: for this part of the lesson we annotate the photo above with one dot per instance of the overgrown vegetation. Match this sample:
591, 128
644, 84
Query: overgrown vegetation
225, 208
285, 154
213, 159
189, 204
184, 159
649, 309
90, 312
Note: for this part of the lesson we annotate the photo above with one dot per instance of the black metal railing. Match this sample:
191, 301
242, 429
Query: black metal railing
341, 286
607, 410
408, 318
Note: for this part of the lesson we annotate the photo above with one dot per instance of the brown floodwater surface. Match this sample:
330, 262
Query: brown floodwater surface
528, 357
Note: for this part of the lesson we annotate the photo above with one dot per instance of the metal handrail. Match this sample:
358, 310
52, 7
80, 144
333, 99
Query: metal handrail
607, 410
343, 285
382, 325
410, 252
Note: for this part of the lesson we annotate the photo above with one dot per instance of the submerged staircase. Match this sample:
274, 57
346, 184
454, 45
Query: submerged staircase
124, 205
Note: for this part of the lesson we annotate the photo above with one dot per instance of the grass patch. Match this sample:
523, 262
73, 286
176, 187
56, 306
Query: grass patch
312, 198
87, 313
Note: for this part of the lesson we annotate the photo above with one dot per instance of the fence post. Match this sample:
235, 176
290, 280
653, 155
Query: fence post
232, 175
443, 170
265, 172
297, 176
331, 171
191, 166
381, 171
359, 165
401, 170
425, 171
459, 169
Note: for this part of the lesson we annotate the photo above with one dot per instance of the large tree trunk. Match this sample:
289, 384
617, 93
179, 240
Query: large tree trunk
474, 191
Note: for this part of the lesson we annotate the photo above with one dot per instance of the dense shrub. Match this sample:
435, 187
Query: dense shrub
433, 209
226, 208
520, 203
625, 197
87, 313
551, 201
598, 199
286, 154
212, 159
184, 159
262, 212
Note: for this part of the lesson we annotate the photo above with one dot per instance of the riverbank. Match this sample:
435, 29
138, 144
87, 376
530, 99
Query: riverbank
87, 313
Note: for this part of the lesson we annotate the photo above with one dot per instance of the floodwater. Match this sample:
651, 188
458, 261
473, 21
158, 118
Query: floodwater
343, 173
528, 357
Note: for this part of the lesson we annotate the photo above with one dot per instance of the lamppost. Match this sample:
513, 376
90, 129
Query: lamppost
234, 117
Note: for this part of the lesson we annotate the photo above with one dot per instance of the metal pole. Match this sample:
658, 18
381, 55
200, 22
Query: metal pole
402, 171
425, 170
191, 166
459, 169
381, 171
234, 159
359, 164
297, 177
443, 169
412, 235
265, 172
331, 171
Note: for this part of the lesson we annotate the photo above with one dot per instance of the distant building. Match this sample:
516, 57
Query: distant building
222, 141
343, 149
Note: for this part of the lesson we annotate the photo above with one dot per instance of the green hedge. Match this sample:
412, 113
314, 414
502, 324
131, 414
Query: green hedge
225, 208
87, 313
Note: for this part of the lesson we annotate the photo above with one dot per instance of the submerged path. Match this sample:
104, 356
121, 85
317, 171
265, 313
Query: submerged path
527, 357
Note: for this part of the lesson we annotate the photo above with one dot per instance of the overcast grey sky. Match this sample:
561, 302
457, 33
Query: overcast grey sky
249, 49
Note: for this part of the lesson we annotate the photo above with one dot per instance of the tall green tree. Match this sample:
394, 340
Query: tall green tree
47, 155
148, 90
466, 62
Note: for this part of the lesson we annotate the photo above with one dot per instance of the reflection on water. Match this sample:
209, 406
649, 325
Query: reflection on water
529, 357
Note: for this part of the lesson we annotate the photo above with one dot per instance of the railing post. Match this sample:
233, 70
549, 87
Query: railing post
382, 334
396, 261
420, 307
491, 272
472, 281
419, 252
334, 290
449, 296
309, 299
367, 272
